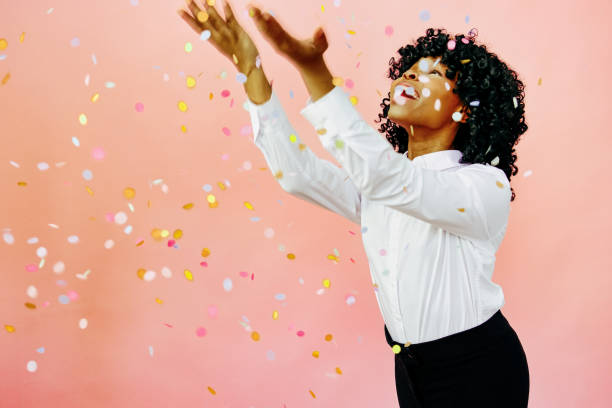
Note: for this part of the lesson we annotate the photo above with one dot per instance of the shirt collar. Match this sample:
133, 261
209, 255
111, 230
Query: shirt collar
439, 160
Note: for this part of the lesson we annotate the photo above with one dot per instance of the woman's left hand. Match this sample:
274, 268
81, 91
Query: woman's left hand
299, 52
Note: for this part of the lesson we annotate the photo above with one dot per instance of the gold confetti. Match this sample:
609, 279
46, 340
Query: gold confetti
235, 58
278, 175
465, 61
188, 274
315, 354
338, 370
191, 82
140, 243
30, 305
202, 16
95, 97
188, 206
461, 209
337, 81
255, 336
499, 184
129, 193
177, 234
354, 100
275, 315
339, 144
83, 119
352, 32
396, 349
328, 337
182, 106
158, 300
22, 183
210, 2
89, 190
9, 328
21, 37
539, 81
205, 252
293, 138
212, 391
326, 283
291, 256
141, 272
221, 185
312, 393
6, 78
332, 257
156, 234
248, 205
3, 43
302, 146
322, 131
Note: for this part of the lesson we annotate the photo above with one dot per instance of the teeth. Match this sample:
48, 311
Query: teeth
409, 90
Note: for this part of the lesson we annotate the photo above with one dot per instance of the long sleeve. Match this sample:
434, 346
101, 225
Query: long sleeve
296, 168
473, 201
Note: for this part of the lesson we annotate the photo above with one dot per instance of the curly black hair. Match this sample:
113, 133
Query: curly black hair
493, 91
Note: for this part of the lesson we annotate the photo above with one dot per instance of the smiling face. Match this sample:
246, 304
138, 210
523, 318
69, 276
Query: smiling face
435, 103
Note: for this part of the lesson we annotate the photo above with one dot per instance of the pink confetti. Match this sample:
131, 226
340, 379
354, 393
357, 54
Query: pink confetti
166, 324
204, 264
73, 295
110, 217
349, 83
226, 131
225, 156
300, 333
98, 153
31, 268
383, 252
465, 40
171, 243
451, 44
213, 311
244, 274
139, 107
201, 332
225, 93
388, 30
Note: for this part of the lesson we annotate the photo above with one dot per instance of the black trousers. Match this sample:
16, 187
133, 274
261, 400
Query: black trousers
484, 366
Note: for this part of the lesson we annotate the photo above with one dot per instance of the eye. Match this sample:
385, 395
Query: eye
437, 72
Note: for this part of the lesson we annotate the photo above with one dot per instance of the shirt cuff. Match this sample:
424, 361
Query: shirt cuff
263, 112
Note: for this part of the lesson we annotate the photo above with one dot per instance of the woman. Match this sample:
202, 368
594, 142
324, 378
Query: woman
433, 199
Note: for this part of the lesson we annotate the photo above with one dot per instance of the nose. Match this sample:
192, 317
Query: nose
410, 76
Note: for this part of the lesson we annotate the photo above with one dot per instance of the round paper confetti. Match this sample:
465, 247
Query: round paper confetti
41, 252
269, 233
270, 355
227, 284
32, 366
83, 323
166, 272
109, 243
42, 166
205, 35
73, 239
120, 218
32, 292
58, 267
97, 153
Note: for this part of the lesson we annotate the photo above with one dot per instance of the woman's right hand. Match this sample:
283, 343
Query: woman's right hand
227, 36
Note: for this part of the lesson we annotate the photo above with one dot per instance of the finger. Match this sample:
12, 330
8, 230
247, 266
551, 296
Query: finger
230, 19
213, 17
275, 32
197, 27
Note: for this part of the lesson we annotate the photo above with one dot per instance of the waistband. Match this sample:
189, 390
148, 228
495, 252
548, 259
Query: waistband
458, 343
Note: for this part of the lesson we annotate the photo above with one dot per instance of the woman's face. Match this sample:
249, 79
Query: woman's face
435, 101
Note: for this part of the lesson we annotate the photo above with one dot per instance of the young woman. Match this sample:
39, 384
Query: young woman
433, 199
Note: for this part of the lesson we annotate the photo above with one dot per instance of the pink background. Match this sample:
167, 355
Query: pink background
174, 342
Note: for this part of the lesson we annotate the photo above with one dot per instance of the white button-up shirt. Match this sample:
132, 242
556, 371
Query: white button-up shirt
430, 226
